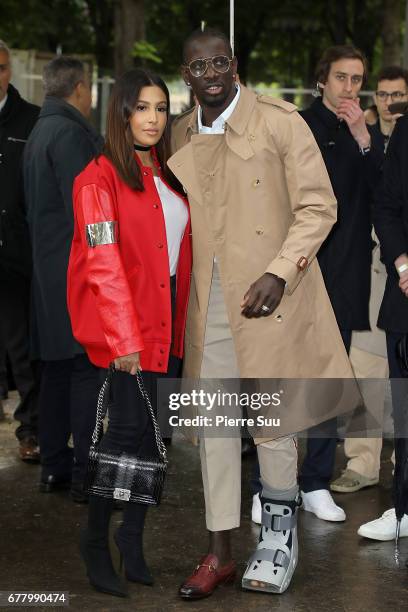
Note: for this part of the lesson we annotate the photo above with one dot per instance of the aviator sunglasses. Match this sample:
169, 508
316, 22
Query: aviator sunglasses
198, 67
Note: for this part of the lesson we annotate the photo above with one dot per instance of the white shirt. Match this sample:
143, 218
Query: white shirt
3, 102
219, 124
175, 217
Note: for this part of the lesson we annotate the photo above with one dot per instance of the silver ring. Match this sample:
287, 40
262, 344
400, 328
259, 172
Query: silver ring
265, 308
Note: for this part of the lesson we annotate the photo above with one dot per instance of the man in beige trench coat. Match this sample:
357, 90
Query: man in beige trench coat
261, 206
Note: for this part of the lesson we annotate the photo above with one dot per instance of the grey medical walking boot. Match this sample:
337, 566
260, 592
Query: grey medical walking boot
271, 567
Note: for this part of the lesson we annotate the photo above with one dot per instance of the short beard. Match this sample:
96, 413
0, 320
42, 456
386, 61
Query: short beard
214, 102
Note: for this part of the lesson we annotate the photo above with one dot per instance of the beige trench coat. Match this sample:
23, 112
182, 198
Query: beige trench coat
261, 200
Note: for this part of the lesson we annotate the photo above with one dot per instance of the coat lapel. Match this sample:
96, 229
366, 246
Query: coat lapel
183, 167
237, 137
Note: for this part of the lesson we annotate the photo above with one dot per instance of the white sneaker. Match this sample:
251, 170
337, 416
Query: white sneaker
256, 514
384, 528
322, 504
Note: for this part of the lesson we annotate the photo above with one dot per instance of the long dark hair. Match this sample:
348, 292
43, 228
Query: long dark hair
119, 139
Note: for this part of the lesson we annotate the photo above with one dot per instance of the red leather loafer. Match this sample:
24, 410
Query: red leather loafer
206, 577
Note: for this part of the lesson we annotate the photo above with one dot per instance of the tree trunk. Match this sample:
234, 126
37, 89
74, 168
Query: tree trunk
391, 33
101, 15
129, 28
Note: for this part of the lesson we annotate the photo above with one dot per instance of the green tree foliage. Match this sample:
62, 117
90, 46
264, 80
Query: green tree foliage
46, 25
275, 41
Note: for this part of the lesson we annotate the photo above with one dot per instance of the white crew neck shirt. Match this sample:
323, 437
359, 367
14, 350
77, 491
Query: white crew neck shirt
175, 218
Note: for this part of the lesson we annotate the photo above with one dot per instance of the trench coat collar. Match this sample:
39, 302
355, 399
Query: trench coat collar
181, 162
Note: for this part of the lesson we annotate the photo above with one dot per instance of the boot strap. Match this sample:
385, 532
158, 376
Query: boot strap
277, 522
275, 556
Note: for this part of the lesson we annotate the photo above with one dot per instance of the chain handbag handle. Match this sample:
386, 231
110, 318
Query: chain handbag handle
157, 434
102, 407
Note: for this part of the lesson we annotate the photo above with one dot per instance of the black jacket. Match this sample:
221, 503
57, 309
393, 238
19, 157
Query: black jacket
345, 256
60, 146
17, 119
391, 225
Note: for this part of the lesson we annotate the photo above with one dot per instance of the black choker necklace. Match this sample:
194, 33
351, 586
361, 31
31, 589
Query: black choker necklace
140, 148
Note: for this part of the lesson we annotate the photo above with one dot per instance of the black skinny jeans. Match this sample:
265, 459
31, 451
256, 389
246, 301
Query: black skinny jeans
130, 427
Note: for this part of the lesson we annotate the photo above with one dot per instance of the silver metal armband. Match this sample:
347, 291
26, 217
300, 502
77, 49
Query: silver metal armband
105, 232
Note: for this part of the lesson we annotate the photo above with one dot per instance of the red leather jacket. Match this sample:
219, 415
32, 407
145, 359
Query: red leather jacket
118, 275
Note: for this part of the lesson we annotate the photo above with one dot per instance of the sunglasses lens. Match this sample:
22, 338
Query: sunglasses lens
198, 67
221, 63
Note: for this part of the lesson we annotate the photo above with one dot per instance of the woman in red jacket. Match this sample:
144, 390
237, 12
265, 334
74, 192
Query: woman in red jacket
128, 285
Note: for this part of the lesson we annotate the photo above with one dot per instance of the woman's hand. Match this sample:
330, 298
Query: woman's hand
128, 363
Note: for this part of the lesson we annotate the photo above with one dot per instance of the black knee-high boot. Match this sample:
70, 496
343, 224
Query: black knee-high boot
129, 540
94, 547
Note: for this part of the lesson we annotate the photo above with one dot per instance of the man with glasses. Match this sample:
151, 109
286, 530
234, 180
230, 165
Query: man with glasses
390, 223
392, 86
261, 205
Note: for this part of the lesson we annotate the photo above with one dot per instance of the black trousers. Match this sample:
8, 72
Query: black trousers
68, 399
318, 464
129, 424
14, 342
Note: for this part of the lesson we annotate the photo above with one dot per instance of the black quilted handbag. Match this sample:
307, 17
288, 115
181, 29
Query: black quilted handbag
120, 475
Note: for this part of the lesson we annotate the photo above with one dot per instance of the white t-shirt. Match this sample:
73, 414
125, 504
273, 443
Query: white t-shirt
175, 217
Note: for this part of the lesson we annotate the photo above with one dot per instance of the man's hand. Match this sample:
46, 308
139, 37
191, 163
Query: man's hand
266, 291
403, 282
349, 110
128, 363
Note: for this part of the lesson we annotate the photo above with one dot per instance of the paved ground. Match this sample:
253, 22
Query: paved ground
337, 572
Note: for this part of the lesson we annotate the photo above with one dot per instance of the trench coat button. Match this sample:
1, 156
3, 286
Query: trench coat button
256, 182
155, 206
251, 137
162, 285
159, 363
212, 174
163, 323
162, 351
259, 230
279, 318
145, 173
160, 245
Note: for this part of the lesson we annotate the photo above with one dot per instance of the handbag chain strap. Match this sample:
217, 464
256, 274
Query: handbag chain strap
157, 434
102, 406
